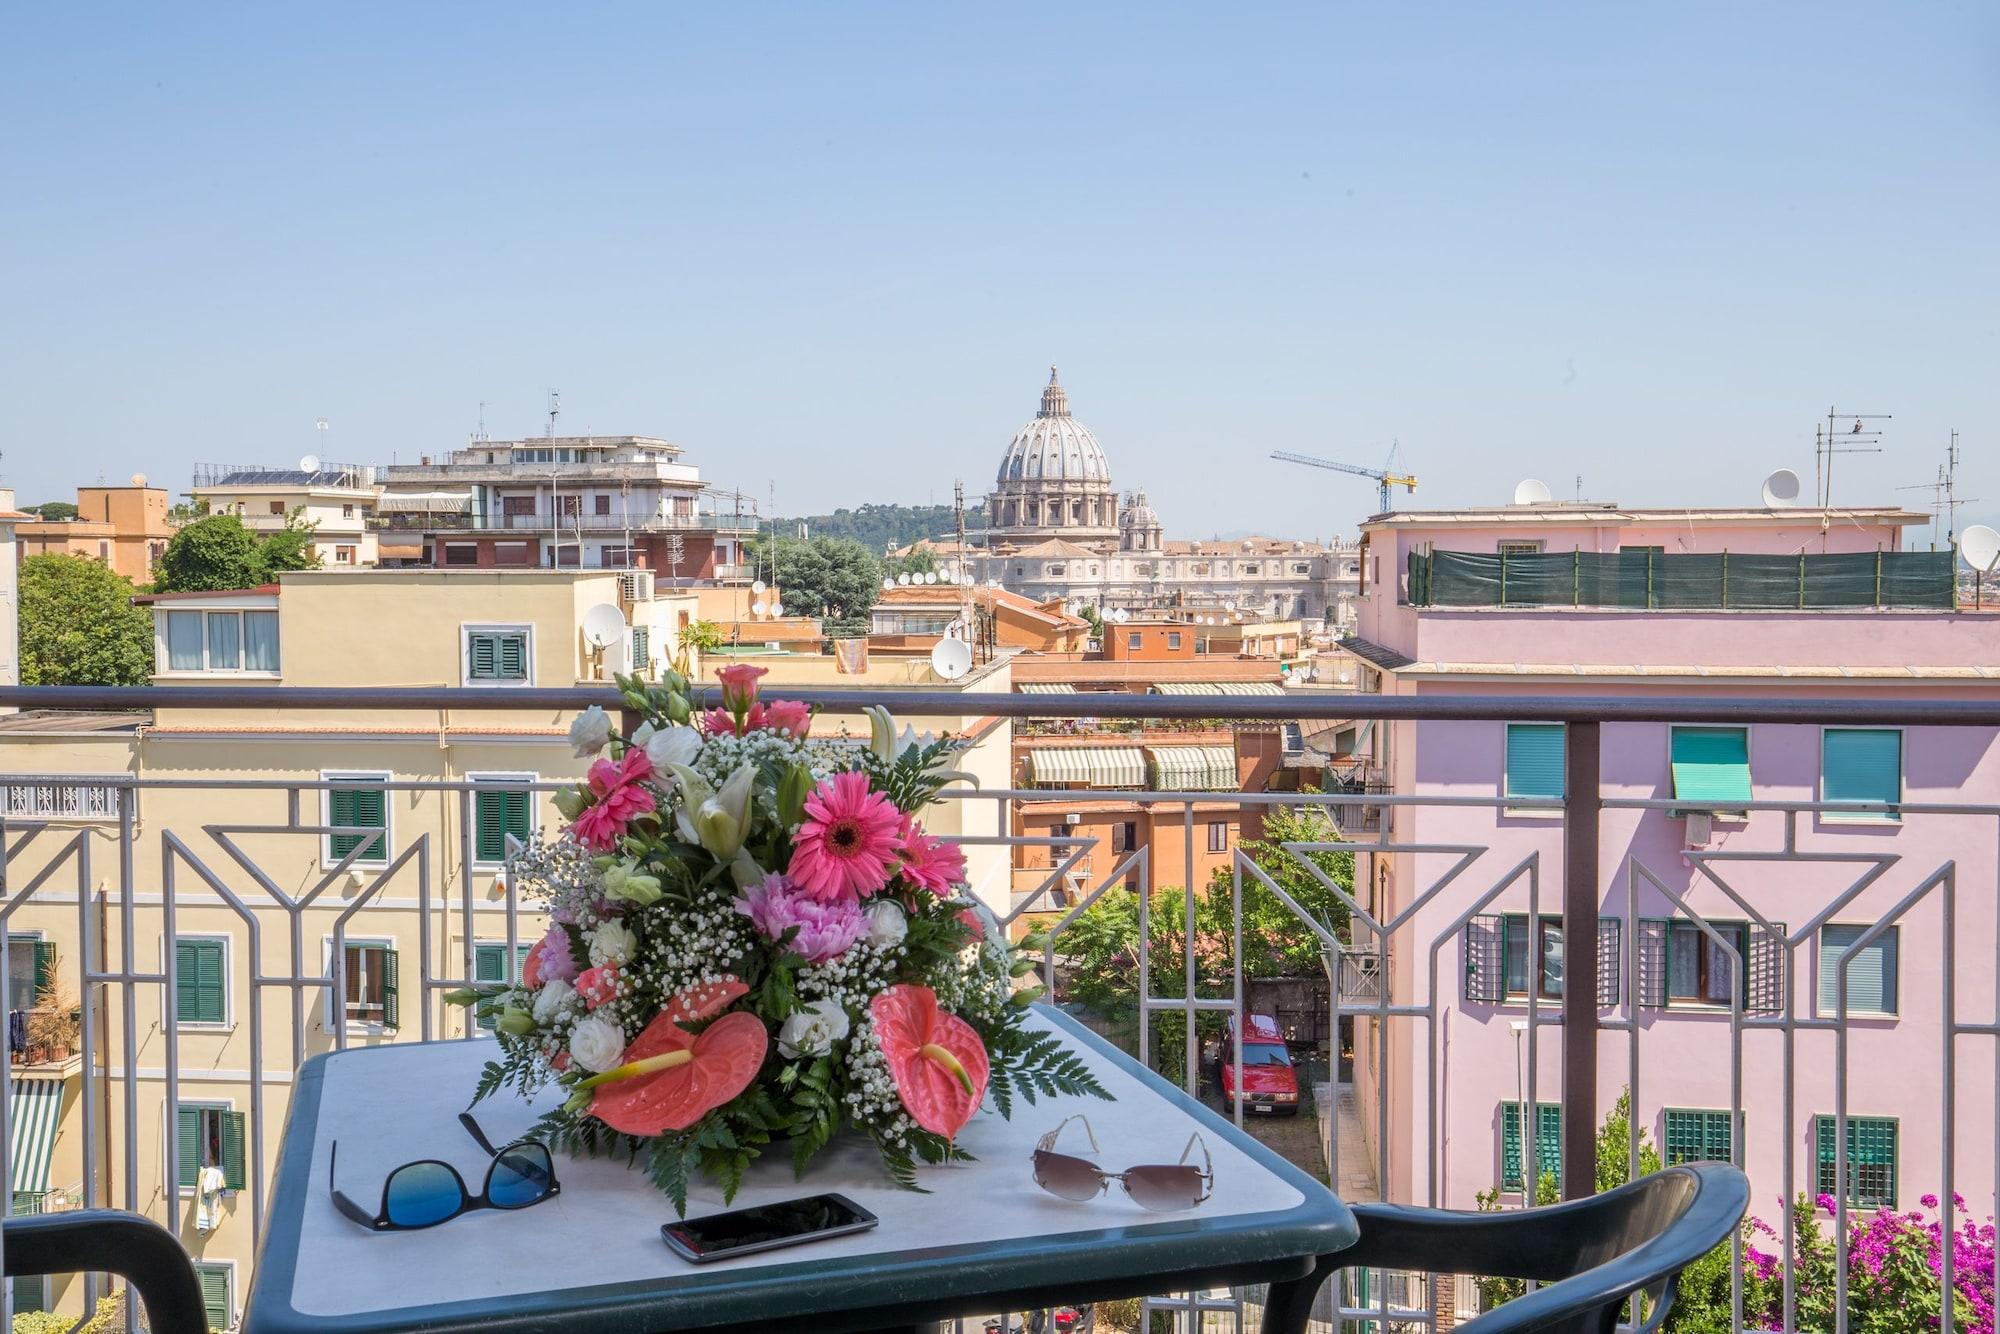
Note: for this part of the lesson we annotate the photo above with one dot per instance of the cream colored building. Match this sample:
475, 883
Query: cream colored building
337, 501
252, 833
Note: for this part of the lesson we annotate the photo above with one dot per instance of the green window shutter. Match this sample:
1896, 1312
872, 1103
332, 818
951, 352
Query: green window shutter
31, 1293
1871, 978
215, 1294
1862, 764
1696, 1137
198, 982
364, 808
1548, 1143
496, 814
1484, 964
1711, 764
45, 966
1510, 1146
392, 1015
511, 657
1871, 1160
232, 1150
642, 648
489, 964
187, 1145
1534, 760
482, 657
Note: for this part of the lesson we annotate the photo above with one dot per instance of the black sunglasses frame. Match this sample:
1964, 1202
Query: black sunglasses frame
467, 1201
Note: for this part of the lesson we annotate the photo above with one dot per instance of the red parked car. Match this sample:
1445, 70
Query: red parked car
1270, 1085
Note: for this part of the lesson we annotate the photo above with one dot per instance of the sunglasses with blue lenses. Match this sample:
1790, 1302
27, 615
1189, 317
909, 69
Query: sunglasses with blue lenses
424, 1194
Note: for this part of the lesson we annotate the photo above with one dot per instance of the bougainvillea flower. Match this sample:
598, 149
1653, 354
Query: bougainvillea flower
931, 863
936, 1059
847, 845
706, 1000
621, 795
671, 1078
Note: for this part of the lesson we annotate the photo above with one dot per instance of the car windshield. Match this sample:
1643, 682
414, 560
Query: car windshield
1259, 1054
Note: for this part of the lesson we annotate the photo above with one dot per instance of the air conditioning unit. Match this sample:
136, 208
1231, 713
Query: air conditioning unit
636, 585
1071, 817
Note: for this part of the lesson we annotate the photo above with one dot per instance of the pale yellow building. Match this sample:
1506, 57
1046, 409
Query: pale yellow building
339, 504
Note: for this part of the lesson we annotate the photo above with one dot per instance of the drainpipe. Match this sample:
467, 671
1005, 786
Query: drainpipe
1582, 806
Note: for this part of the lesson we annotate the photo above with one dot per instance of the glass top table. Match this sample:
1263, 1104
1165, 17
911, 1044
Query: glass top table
982, 1238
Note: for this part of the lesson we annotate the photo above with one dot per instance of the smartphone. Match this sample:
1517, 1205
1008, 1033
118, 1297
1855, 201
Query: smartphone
766, 1227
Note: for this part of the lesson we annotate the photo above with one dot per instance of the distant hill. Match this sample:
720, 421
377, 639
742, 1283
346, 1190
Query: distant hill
877, 527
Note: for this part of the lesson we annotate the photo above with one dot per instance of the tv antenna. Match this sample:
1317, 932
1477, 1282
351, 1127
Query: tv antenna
1843, 433
1945, 503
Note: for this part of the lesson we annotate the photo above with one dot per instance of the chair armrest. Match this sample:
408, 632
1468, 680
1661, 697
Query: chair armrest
1506, 1244
110, 1241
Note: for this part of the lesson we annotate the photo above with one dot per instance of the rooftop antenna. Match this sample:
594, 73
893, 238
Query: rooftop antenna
1844, 433
481, 434
1579, 488
1944, 497
958, 529
555, 488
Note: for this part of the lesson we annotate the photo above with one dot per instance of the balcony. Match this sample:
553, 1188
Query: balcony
1748, 1044
570, 525
1647, 579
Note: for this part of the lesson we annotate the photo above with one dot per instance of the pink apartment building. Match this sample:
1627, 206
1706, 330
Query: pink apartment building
1593, 600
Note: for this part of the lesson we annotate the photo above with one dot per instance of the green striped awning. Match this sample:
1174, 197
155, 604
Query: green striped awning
1218, 688
37, 1108
1100, 766
1193, 769
1047, 688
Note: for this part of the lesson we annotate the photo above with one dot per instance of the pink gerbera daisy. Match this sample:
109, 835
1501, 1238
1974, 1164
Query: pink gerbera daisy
847, 845
931, 863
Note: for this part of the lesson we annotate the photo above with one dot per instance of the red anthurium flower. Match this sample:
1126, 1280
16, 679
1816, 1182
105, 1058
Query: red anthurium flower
671, 1078
937, 1060
706, 1000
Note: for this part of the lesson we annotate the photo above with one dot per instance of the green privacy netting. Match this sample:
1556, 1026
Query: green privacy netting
1649, 578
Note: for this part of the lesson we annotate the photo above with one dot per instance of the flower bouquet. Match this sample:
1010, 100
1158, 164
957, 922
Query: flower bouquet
755, 941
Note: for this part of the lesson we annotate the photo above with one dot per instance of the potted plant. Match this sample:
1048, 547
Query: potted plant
54, 1023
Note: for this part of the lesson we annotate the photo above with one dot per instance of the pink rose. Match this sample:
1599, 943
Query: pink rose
739, 686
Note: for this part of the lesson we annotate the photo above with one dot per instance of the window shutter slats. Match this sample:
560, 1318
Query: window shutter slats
1534, 760
1871, 978
45, 966
512, 658
215, 1294
482, 658
358, 807
1765, 992
1862, 764
392, 1014
1548, 1144
187, 1145
232, 1150
1610, 960
1711, 764
1484, 964
1652, 979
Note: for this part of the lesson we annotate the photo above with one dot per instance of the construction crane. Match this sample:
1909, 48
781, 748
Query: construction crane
1384, 479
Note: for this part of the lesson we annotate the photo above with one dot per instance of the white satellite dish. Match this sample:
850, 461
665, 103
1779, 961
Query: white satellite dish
951, 659
930, 576
756, 585
603, 625
138, 479
758, 608
903, 581
778, 610
888, 584
310, 463
1781, 488
1980, 546
1532, 492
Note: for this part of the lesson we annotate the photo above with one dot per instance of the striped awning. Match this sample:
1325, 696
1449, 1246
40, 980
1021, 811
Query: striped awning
1218, 688
1047, 688
1193, 769
424, 502
1100, 766
36, 1109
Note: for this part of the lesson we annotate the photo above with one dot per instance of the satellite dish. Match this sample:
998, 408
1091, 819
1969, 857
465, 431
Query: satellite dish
1980, 546
1532, 492
756, 585
1781, 488
903, 581
778, 610
951, 659
138, 479
758, 608
888, 584
310, 463
603, 625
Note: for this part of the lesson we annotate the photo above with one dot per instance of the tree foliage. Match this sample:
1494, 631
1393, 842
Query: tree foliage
920, 559
78, 625
52, 511
877, 527
834, 578
219, 552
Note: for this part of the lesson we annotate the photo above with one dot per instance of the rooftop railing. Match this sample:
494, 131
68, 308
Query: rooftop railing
1432, 871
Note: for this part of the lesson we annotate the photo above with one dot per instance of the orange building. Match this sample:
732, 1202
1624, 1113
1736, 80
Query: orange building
126, 527
915, 616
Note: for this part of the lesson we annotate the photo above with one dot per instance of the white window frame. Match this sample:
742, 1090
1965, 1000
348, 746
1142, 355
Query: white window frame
500, 779
337, 1002
1863, 818
235, 1310
171, 1126
33, 810
468, 629
162, 665
359, 777
228, 1024
1826, 1007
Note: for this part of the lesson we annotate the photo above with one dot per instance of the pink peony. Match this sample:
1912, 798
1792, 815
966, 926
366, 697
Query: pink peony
549, 961
931, 863
825, 929
847, 845
621, 794
598, 985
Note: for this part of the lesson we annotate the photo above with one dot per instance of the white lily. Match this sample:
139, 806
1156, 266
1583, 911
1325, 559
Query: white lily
723, 820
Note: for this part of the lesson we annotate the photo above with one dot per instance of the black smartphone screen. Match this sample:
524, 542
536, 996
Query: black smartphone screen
766, 1226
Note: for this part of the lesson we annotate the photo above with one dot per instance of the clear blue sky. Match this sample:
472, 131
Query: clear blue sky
837, 246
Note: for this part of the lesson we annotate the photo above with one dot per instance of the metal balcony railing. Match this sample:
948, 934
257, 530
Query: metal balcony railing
1867, 1095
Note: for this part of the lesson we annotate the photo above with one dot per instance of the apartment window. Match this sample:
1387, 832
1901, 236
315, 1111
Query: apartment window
569, 507
1526, 548
200, 981
371, 984
1871, 1160
1711, 765
1174, 640
277, 507
1548, 1143
1861, 764
642, 648
498, 811
1218, 836
347, 511
1699, 969
343, 555
208, 1135
31, 963
600, 505
354, 810
1124, 836
1520, 944
1692, 1136
1534, 760
496, 655
221, 641
1134, 640
60, 801
217, 1288
517, 506
1501, 951
1301, 569
489, 964
1680, 964
461, 553
1871, 978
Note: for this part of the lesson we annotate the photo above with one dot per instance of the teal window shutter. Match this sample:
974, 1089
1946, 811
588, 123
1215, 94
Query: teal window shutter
392, 1015
1871, 1160
1711, 764
512, 657
1696, 1136
489, 964
496, 814
187, 1145
31, 1292
232, 1150
642, 648
1862, 764
1871, 978
198, 982
482, 657
215, 1294
45, 967
363, 808
1548, 1143
1535, 760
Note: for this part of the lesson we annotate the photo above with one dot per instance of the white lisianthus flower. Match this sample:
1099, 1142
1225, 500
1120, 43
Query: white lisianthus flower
597, 1044
886, 923
672, 745
612, 943
590, 732
551, 999
812, 1031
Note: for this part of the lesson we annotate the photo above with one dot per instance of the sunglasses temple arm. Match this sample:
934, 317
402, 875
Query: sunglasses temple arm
472, 1127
